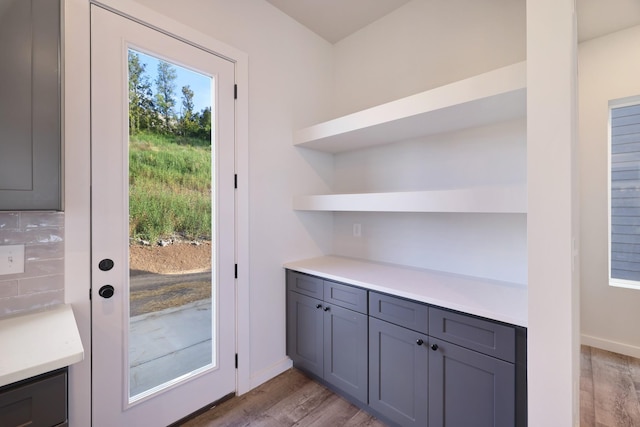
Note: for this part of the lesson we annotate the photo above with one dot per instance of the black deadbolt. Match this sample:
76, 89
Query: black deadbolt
106, 291
106, 264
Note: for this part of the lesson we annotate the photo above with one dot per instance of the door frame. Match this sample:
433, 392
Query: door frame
76, 89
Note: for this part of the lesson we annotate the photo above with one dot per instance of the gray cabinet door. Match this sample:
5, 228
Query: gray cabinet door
345, 350
398, 373
304, 332
467, 388
30, 136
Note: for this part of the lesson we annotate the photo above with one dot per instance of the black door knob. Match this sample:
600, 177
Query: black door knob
434, 347
327, 308
319, 306
106, 291
419, 342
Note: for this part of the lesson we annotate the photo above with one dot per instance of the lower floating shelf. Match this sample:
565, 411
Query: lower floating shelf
468, 200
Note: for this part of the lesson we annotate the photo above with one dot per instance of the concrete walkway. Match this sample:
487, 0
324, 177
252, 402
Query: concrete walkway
167, 344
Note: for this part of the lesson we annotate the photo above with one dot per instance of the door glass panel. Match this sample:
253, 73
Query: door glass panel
170, 225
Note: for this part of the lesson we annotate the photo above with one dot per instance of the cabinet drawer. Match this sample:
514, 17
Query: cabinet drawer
483, 336
305, 284
37, 402
402, 312
345, 296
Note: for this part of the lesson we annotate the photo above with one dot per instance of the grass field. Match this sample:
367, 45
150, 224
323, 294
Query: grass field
169, 187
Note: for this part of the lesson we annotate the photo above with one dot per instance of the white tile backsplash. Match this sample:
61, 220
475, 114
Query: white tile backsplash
8, 289
42, 283
9, 221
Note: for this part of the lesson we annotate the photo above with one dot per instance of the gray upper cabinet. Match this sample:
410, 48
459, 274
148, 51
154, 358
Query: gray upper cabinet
30, 105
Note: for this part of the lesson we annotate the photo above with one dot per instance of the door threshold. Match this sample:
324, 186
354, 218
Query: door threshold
202, 410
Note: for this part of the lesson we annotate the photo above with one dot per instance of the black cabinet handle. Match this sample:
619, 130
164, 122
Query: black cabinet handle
434, 347
327, 308
419, 342
319, 306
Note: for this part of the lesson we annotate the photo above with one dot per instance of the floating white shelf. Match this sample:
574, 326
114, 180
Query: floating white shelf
472, 200
492, 97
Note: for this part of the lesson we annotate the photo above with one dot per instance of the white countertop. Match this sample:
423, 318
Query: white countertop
501, 301
35, 343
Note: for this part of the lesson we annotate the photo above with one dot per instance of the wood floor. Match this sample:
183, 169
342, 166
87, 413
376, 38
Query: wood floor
609, 397
290, 399
609, 389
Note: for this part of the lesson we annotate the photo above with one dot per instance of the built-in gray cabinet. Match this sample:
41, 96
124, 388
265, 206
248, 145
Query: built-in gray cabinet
305, 336
398, 373
327, 332
427, 366
30, 105
37, 402
467, 388
473, 371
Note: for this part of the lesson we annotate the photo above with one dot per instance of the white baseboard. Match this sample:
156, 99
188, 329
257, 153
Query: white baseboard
616, 347
270, 372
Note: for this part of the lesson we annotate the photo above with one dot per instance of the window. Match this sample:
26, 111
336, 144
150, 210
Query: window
624, 192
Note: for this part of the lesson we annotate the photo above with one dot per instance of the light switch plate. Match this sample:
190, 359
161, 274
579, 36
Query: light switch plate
11, 259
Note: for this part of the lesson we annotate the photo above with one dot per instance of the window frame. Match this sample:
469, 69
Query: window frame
613, 104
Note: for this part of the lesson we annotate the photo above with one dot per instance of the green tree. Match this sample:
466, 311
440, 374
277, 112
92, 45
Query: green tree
188, 122
141, 107
165, 101
204, 124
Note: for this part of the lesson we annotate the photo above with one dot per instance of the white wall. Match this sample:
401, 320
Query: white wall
608, 69
491, 246
425, 44
553, 347
77, 198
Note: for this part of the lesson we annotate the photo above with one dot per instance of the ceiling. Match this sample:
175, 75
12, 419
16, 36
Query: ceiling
336, 19
599, 17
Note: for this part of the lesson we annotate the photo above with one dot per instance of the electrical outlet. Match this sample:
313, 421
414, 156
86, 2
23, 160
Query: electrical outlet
11, 259
357, 230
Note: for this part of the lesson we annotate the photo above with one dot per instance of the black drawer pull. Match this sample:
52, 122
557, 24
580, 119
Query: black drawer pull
434, 347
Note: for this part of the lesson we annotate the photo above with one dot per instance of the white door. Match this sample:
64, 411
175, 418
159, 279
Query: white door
163, 250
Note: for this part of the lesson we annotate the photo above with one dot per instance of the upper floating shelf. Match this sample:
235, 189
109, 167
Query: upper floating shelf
492, 97
470, 200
